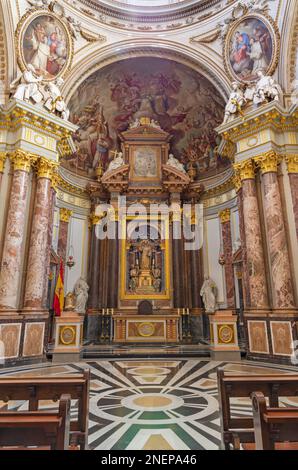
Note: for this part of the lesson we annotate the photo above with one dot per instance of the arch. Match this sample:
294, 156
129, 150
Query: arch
87, 64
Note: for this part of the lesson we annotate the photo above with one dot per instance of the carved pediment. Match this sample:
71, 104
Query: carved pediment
147, 132
174, 180
116, 180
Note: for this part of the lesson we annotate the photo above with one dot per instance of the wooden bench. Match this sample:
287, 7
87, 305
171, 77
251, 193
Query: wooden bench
275, 428
35, 389
236, 430
36, 430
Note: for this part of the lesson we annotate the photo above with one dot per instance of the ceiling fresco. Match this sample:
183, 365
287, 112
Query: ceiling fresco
182, 101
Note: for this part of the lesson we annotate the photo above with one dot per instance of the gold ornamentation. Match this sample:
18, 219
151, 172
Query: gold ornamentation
146, 329
267, 162
67, 335
245, 170
3, 156
225, 215
275, 35
22, 27
65, 214
292, 163
46, 168
225, 334
23, 161
237, 181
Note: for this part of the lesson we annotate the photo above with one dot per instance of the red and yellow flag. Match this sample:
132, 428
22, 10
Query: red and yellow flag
59, 292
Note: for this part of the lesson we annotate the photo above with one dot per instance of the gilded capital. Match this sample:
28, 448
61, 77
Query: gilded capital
55, 179
46, 168
22, 161
237, 181
267, 162
245, 170
65, 214
292, 163
3, 156
225, 215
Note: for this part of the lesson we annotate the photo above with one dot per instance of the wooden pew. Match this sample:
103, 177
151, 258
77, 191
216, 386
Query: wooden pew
35, 389
236, 430
20, 430
275, 428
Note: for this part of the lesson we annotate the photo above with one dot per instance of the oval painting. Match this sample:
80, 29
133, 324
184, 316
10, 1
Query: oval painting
250, 47
45, 45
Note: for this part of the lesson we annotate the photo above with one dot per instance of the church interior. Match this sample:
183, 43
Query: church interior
148, 225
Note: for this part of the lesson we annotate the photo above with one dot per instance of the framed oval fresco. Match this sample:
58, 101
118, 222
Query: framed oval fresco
44, 41
252, 44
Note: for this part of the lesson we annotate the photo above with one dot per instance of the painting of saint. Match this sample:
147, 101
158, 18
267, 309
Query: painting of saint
250, 49
145, 164
45, 46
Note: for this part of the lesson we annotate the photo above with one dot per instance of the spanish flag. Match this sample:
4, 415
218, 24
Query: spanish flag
59, 292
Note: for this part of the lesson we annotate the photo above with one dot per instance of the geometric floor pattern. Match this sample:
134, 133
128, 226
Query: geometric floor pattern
153, 404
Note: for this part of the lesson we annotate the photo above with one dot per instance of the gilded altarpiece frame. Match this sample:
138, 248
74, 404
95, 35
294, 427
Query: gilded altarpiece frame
163, 222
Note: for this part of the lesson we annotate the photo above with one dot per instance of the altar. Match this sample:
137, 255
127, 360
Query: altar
158, 328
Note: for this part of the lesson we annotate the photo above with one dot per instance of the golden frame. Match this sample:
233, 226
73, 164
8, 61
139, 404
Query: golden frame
25, 22
124, 295
275, 36
132, 159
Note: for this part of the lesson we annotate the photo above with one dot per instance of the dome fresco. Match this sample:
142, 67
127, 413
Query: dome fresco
181, 100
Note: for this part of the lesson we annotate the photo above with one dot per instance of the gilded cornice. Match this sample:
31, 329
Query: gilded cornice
65, 214
245, 170
267, 162
224, 215
292, 163
219, 189
23, 161
61, 183
3, 156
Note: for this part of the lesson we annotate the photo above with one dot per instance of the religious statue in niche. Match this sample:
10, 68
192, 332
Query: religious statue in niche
145, 268
209, 295
81, 290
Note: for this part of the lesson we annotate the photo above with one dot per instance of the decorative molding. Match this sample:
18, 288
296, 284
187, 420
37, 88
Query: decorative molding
23, 161
46, 168
3, 156
206, 38
267, 162
292, 163
245, 170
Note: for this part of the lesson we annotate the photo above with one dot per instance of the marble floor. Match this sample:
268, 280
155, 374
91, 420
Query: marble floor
153, 404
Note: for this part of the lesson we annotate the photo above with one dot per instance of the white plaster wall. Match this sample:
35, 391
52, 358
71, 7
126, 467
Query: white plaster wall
211, 249
78, 234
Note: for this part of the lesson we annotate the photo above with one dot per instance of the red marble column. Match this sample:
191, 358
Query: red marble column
292, 161
253, 236
49, 242
245, 284
65, 215
276, 234
228, 256
11, 272
94, 266
37, 268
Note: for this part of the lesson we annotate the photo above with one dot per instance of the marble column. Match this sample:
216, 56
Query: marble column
65, 215
276, 234
94, 265
225, 217
49, 242
37, 268
245, 283
292, 164
2, 162
112, 293
10, 275
254, 248
196, 277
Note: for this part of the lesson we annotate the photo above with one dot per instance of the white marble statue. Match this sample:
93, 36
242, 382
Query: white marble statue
55, 103
26, 87
135, 124
174, 162
154, 124
235, 103
266, 89
209, 295
81, 289
116, 163
39, 3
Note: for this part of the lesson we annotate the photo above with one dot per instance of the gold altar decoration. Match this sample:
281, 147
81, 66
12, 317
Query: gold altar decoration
292, 163
225, 333
22, 160
245, 170
67, 335
163, 327
46, 168
3, 156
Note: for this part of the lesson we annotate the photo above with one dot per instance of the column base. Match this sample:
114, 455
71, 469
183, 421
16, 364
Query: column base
272, 335
230, 356
23, 335
67, 357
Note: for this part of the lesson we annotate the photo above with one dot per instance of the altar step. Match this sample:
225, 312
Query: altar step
145, 350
